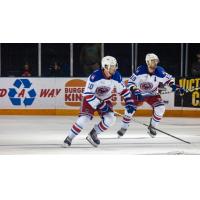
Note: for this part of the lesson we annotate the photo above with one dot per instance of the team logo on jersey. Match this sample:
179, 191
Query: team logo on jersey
145, 86
102, 90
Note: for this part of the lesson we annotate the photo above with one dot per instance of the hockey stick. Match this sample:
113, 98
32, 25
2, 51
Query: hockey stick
149, 94
136, 121
188, 90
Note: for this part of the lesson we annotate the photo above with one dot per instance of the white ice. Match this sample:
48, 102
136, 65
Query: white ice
45, 135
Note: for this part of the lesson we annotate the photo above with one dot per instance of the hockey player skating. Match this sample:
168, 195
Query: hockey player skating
144, 87
97, 97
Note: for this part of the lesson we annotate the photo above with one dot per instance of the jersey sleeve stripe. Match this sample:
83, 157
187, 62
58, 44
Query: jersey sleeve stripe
127, 94
88, 93
89, 97
92, 99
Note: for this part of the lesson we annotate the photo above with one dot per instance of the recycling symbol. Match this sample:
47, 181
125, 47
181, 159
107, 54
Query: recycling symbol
22, 93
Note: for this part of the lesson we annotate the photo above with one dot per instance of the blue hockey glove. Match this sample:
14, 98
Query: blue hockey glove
137, 93
104, 107
181, 90
130, 107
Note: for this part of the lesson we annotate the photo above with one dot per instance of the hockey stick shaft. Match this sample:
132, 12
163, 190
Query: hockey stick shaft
188, 90
136, 121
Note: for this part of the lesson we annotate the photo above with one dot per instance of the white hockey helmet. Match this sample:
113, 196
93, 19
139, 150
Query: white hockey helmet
150, 57
109, 61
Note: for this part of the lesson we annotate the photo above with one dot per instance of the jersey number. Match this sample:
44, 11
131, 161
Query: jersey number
90, 86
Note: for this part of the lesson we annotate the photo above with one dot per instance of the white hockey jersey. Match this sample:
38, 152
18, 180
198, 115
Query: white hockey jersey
98, 88
149, 83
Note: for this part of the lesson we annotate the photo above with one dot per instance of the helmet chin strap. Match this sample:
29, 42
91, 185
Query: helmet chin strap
110, 73
107, 72
151, 70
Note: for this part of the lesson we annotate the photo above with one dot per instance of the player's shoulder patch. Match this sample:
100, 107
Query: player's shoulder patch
142, 69
96, 75
117, 77
160, 72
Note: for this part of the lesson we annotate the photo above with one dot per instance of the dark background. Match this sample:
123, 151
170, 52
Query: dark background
176, 58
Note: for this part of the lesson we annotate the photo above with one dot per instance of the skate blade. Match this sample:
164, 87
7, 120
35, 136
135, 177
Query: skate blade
119, 136
89, 139
65, 145
152, 136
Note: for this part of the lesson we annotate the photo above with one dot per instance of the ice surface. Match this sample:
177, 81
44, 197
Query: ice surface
45, 135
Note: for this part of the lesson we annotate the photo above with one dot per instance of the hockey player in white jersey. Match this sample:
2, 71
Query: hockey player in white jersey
144, 85
97, 97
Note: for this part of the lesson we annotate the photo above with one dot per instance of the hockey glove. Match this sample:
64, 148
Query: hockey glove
137, 93
181, 90
174, 87
130, 107
104, 107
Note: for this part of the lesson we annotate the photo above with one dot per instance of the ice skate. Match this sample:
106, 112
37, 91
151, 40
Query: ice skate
121, 132
151, 131
92, 138
67, 142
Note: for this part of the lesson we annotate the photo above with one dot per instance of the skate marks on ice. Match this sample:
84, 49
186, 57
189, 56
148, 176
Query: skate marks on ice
134, 146
45, 135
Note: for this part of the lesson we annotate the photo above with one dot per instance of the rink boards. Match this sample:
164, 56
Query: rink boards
62, 96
